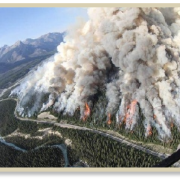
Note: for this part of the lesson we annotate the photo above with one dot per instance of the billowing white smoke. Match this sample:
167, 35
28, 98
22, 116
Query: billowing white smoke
144, 43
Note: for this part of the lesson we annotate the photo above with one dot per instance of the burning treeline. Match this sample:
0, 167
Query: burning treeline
142, 43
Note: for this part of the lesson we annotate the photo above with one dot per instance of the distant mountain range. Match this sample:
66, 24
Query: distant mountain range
30, 48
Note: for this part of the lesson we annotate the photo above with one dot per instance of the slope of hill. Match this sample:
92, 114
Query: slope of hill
30, 48
10, 73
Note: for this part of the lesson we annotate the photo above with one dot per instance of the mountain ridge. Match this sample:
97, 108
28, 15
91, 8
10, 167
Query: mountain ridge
29, 48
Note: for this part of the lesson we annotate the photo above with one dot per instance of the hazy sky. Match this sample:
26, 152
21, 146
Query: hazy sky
21, 23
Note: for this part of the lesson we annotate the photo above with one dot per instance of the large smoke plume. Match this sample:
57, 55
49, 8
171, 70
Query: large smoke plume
142, 43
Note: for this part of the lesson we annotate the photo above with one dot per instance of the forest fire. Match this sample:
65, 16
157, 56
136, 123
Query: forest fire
131, 54
149, 130
109, 119
86, 112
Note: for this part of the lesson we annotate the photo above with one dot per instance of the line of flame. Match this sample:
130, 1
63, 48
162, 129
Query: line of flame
86, 112
109, 119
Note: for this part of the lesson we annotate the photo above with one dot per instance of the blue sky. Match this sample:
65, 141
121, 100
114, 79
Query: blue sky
21, 23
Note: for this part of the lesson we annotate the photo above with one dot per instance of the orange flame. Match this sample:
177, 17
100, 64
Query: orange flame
149, 130
172, 125
155, 118
130, 111
86, 112
109, 119
124, 120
